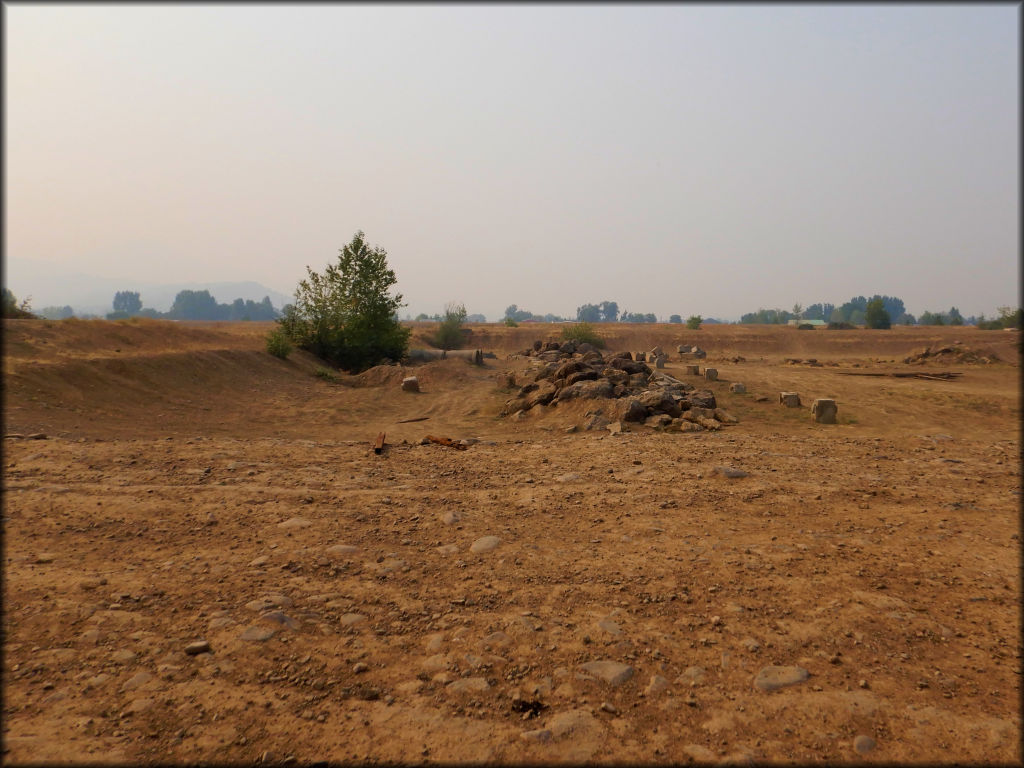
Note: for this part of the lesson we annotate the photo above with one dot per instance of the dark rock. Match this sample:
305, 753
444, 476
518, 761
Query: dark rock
586, 390
702, 398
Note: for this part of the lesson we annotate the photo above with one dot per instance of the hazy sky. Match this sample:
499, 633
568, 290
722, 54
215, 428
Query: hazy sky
685, 159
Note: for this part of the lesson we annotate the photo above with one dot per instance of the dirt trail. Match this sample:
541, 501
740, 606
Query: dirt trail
432, 604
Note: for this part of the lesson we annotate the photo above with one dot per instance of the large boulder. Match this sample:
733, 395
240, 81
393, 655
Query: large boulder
628, 409
588, 374
629, 366
569, 367
546, 371
702, 398
543, 395
615, 376
586, 390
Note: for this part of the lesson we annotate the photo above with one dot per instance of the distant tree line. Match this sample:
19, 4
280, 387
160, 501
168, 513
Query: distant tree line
514, 314
188, 305
853, 311
440, 318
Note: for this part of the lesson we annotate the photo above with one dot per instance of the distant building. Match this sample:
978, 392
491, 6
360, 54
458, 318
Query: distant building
815, 323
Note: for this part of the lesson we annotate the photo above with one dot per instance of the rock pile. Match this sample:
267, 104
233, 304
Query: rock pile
569, 371
956, 353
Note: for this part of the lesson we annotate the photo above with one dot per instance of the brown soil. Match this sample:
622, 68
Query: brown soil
191, 487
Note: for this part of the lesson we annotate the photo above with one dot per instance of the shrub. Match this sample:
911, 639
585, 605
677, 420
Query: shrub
510, 322
278, 344
841, 326
347, 316
805, 327
583, 333
693, 322
449, 335
326, 374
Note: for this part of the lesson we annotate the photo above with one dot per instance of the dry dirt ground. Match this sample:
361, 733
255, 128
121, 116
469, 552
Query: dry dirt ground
193, 488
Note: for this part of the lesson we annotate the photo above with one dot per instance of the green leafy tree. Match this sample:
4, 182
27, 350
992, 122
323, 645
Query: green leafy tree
588, 313
876, 316
955, 318
449, 335
347, 315
127, 302
693, 322
675, 319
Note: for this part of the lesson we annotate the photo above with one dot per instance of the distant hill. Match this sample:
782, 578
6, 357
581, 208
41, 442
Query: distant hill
49, 285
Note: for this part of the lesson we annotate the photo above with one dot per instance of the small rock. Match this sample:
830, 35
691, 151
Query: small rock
124, 656
468, 685
484, 544
614, 673
256, 634
539, 735
199, 646
610, 708
410, 384
137, 680
570, 477
451, 517
656, 686
279, 618
699, 753
294, 522
448, 549
731, 472
137, 706
351, 619
609, 626
44, 557
340, 550
863, 744
774, 678
360, 667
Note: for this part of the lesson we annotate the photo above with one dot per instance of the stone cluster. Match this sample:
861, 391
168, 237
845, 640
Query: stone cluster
564, 371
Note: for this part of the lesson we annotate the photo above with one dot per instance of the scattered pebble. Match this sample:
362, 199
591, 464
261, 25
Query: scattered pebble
361, 667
